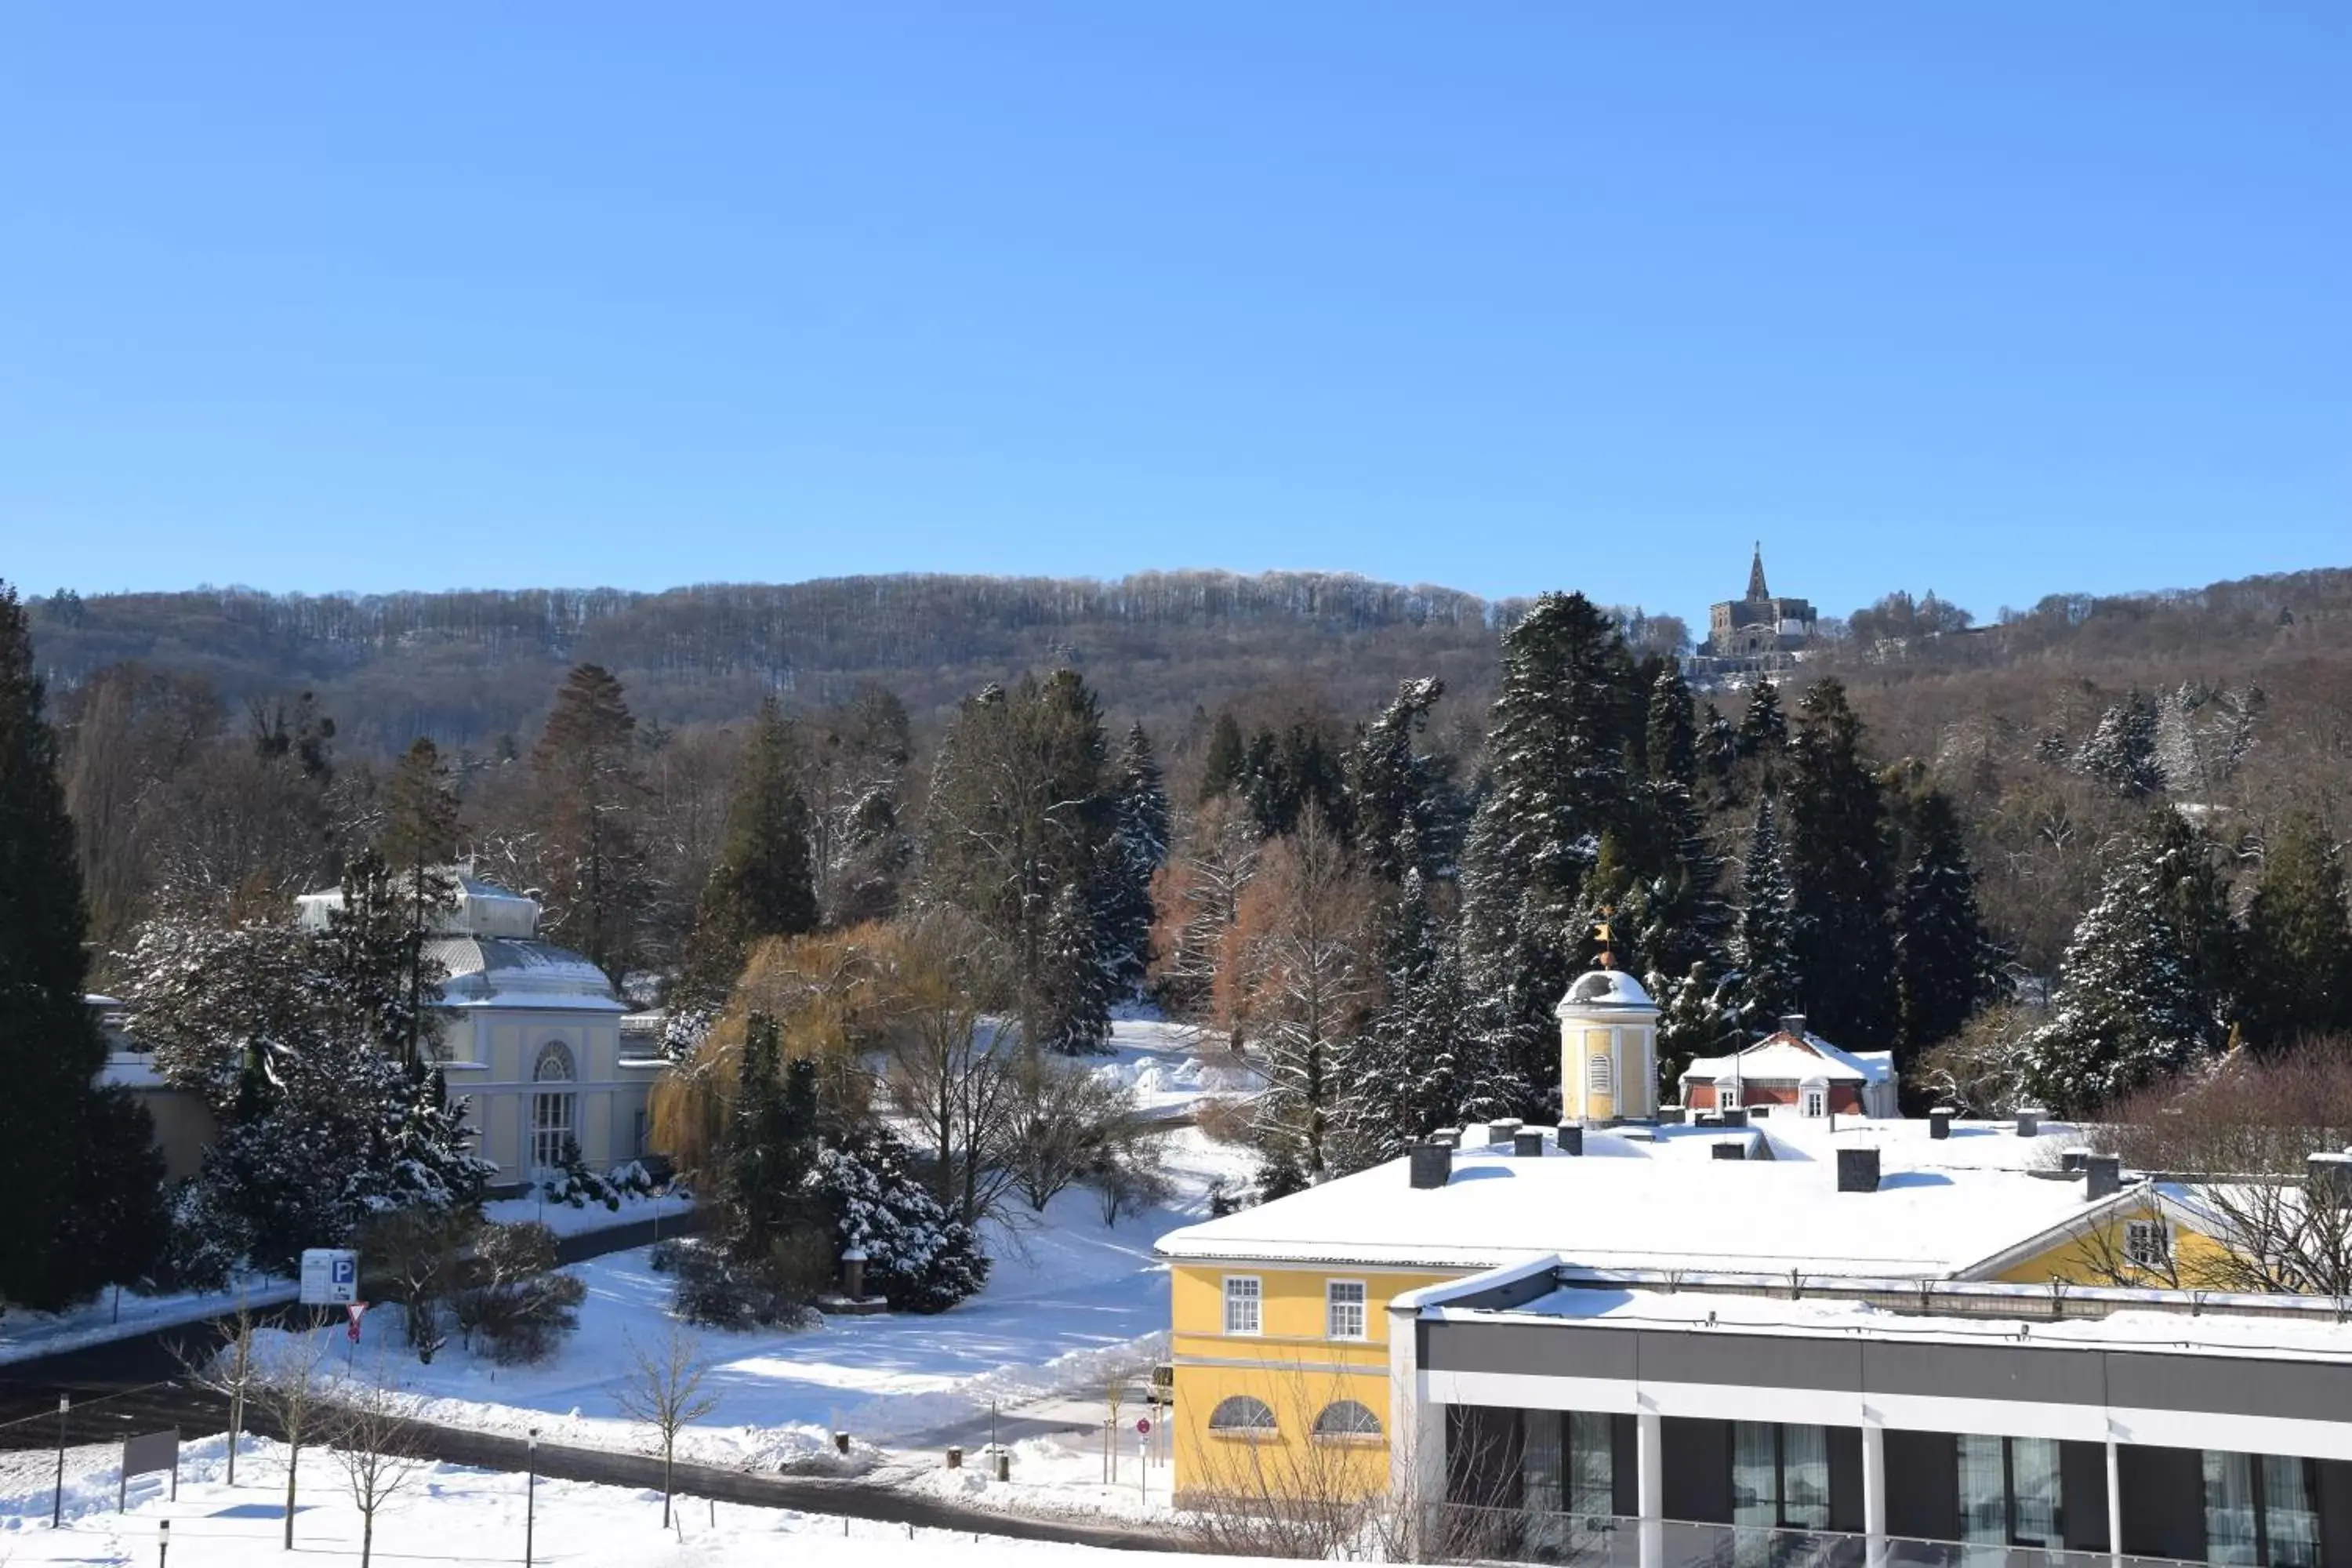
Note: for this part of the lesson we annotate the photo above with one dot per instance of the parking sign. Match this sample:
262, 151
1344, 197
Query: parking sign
330, 1277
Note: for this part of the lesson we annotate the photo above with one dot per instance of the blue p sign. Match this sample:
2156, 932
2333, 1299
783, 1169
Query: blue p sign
347, 1271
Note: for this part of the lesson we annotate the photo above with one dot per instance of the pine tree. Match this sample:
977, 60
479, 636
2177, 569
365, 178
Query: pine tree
1075, 981
2195, 899
1401, 1079
762, 884
1945, 965
1514, 973
1763, 728
1840, 873
417, 843
1695, 1019
2298, 940
83, 1184
2122, 751
1397, 794
1766, 984
1136, 850
1681, 916
587, 768
2128, 1009
1222, 769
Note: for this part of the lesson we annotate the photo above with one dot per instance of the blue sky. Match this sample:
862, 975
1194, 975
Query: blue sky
1996, 299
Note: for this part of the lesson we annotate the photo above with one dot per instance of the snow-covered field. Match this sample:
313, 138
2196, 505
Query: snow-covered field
447, 1514
1071, 1306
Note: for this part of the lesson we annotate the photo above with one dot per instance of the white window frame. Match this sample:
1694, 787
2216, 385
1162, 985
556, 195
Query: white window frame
1813, 1100
1726, 1095
1244, 1291
2138, 1234
554, 1105
1332, 1307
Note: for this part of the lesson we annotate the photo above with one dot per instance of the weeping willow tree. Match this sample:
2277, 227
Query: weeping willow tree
827, 996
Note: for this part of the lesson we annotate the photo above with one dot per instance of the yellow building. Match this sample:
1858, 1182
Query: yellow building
1280, 1320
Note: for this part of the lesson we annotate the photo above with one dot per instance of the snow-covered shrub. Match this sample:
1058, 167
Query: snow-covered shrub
574, 1184
721, 1291
516, 1303
632, 1178
206, 1242
917, 1257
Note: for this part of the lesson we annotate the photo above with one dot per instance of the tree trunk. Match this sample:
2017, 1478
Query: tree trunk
367, 1535
236, 1425
293, 1464
668, 1447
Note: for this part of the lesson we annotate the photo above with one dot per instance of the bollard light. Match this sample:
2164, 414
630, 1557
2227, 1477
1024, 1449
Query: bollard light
530, 1493
57, 1508
163, 1541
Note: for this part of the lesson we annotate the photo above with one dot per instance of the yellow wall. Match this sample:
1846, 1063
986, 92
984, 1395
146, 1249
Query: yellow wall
2095, 1256
1291, 1366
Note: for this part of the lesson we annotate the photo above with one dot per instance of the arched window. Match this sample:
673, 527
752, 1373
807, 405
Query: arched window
1242, 1413
1346, 1419
551, 1107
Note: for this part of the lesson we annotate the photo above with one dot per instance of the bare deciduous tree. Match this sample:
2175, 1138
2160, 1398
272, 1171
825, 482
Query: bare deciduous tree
291, 1394
371, 1445
663, 1388
227, 1365
949, 1067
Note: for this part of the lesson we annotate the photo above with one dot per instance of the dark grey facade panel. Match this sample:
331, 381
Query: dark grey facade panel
2228, 1387
1696, 1465
1750, 1361
1531, 1348
1923, 1485
2048, 1375
1984, 1372
1845, 1479
2083, 1495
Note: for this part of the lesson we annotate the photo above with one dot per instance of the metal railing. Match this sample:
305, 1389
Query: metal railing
1463, 1532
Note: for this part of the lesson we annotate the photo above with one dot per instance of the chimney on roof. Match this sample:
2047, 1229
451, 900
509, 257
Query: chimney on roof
2076, 1159
1857, 1170
1730, 1151
1433, 1164
1571, 1137
1794, 1024
2103, 1177
1504, 1130
1734, 1116
1528, 1145
2327, 1179
2029, 1123
1939, 1122
1447, 1137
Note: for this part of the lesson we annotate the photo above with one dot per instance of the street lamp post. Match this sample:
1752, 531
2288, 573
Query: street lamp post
57, 1506
531, 1494
163, 1543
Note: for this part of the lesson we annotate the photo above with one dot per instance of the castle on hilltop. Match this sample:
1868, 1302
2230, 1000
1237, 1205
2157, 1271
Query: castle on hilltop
1760, 631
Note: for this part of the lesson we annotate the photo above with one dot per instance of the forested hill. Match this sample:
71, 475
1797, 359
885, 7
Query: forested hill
467, 668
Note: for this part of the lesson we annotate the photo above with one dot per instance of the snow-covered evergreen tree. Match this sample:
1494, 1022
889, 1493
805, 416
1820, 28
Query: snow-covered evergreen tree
1695, 1019
917, 1256
2128, 1009
1765, 983
1841, 857
2122, 751
1401, 1079
1136, 848
2298, 938
1076, 980
1945, 964
1399, 795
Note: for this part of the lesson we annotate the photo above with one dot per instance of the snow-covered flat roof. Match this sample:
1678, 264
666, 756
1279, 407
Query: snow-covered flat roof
1908, 1144
2316, 1335
1632, 1205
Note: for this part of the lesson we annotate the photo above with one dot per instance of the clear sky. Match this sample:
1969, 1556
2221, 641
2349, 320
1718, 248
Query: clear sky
1993, 299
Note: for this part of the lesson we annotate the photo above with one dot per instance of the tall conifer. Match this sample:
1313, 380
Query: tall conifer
592, 790
2298, 940
1945, 965
763, 884
77, 1161
1841, 866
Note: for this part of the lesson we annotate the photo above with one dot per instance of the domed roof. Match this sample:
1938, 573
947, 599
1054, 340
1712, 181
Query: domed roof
1605, 988
506, 972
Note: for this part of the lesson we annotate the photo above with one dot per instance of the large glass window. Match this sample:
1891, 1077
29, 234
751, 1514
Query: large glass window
1779, 1480
2009, 1492
1592, 1466
2260, 1513
551, 1127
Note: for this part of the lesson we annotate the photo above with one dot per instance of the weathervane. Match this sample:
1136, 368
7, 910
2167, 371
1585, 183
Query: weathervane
1607, 939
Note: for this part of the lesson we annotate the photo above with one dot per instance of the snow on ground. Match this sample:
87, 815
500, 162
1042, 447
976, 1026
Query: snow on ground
1072, 1306
24, 1334
447, 1514
566, 1220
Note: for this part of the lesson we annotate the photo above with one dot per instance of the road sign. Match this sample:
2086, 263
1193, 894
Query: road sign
1143, 1426
330, 1277
356, 1311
